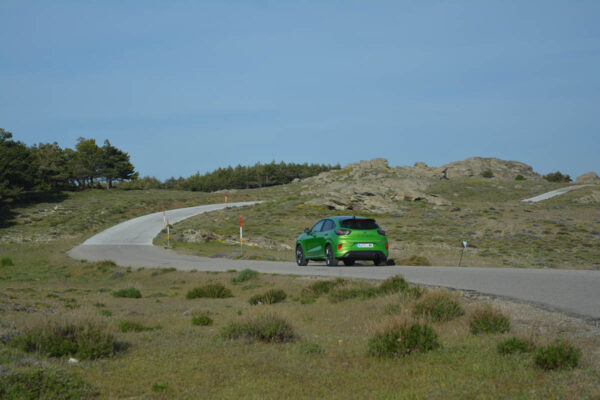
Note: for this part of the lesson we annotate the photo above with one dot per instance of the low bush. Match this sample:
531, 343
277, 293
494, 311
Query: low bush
488, 173
311, 348
244, 275
6, 262
515, 345
202, 320
439, 305
268, 328
211, 290
86, 340
392, 285
39, 382
400, 339
558, 355
519, 178
133, 326
486, 319
272, 296
104, 312
130, 292
319, 288
352, 292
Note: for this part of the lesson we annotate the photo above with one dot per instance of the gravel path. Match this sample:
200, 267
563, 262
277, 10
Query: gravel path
554, 193
571, 291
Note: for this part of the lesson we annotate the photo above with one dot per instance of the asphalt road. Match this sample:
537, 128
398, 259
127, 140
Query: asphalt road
553, 193
130, 244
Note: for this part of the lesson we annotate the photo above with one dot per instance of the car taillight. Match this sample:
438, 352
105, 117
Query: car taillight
343, 232
340, 246
387, 246
381, 232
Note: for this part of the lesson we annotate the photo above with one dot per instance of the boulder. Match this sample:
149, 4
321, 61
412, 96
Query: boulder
589, 178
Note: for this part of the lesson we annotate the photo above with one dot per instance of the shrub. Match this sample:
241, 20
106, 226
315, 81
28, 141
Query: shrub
86, 340
130, 292
487, 173
557, 177
6, 262
486, 319
321, 287
347, 293
393, 284
104, 312
211, 290
202, 320
37, 382
244, 275
558, 355
133, 326
519, 178
311, 348
268, 328
439, 305
399, 340
160, 387
272, 296
515, 345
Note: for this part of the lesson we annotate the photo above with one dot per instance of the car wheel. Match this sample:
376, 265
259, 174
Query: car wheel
300, 260
330, 260
380, 262
348, 263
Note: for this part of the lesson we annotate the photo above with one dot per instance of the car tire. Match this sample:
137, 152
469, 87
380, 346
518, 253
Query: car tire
300, 259
330, 259
349, 263
380, 262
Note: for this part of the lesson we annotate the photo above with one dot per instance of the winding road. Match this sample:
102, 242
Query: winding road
570, 291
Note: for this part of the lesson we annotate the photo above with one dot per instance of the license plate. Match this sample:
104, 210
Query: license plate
364, 245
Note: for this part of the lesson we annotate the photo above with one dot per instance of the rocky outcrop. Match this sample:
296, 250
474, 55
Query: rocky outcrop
589, 178
374, 187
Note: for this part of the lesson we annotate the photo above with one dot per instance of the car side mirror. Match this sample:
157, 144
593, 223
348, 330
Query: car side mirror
307, 230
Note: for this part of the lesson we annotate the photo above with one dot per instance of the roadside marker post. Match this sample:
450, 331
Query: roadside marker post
168, 235
462, 251
164, 218
241, 238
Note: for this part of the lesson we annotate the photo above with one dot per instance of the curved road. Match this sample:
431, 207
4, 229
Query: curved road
570, 291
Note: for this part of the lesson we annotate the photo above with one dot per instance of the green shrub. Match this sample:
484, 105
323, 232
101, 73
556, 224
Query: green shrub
268, 328
519, 178
347, 293
133, 326
272, 296
392, 285
244, 275
558, 355
486, 319
130, 292
160, 387
399, 340
211, 290
311, 348
104, 312
37, 382
202, 320
439, 305
318, 288
557, 177
6, 262
487, 173
515, 345
86, 340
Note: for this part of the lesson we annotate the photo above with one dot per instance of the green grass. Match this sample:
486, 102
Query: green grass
439, 305
486, 319
131, 293
557, 355
515, 345
271, 296
211, 290
245, 275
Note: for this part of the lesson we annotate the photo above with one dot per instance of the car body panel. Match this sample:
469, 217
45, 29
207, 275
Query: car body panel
359, 244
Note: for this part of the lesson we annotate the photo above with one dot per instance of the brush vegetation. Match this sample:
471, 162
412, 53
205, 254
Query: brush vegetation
487, 319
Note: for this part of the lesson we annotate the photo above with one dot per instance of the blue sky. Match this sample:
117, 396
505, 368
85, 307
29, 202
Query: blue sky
193, 86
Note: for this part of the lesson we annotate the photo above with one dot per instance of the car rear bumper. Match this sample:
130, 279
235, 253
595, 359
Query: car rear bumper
363, 255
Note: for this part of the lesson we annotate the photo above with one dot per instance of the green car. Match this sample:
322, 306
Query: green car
343, 238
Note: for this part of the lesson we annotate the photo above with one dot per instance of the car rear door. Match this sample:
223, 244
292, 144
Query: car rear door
324, 236
311, 243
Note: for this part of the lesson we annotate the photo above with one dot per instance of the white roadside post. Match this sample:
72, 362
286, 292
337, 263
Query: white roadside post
168, 234
241, 238
464, 246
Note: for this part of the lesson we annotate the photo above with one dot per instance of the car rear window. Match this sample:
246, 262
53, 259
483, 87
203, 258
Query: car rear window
359, 223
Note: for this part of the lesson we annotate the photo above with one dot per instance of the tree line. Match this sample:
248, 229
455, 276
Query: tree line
47, 167
239, 177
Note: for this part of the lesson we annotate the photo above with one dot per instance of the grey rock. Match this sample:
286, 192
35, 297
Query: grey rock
588, 178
